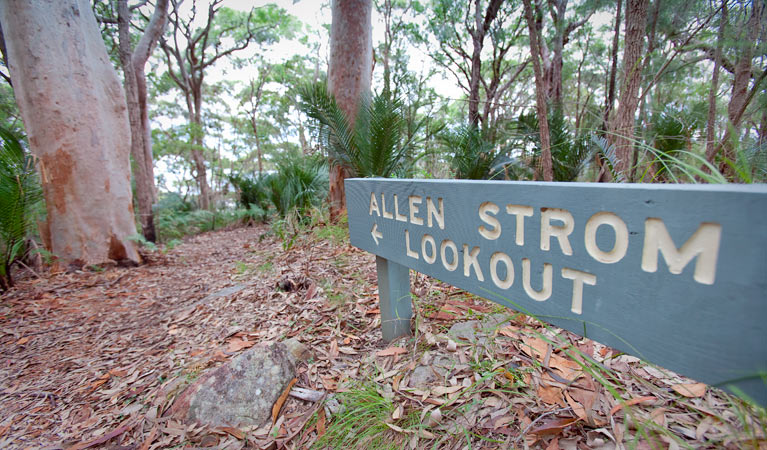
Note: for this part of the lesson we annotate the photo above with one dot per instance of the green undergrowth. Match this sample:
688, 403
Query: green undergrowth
363, 422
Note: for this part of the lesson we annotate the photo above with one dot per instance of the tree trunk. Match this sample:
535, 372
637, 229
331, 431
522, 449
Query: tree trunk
621, 134
134, 82
610, 97
540, 96
711, 121
740, 82
349, 72
74, 111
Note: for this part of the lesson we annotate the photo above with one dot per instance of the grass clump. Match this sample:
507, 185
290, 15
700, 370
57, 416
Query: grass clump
363, 422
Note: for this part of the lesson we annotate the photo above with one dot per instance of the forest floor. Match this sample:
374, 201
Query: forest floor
92, 359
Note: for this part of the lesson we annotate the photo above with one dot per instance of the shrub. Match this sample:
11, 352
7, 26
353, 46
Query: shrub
20, 194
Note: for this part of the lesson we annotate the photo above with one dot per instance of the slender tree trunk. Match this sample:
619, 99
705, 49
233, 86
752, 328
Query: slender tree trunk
610, 98
622, 127
74, 111
740, 82
134, 82
540, 96
351, 66
711, 122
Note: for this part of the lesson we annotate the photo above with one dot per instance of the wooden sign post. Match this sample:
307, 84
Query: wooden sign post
673, 274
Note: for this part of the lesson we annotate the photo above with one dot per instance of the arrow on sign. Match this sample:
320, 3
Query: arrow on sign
375, 233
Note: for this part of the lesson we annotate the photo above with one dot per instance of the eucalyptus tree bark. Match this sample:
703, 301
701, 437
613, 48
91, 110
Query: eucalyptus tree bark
739, 98
610, 97
75, 116
478, 32
552, 72
349, 74
711, 120
134, 82
540, 95
621, 134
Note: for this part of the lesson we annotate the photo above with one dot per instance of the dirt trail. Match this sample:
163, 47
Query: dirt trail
93, 358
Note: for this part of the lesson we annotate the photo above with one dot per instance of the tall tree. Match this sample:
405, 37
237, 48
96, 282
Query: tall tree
711, 119
349, 73
547, 168
133, 61
492, 71
621, 134
747, 37
190, 51
75, 116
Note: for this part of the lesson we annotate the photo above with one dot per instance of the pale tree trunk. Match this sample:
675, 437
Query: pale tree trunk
198, 155
711, 120
540, 96
349, 72
75, 116
134, 82
621, 134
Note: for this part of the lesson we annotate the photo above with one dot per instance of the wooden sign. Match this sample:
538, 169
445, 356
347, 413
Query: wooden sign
673, 274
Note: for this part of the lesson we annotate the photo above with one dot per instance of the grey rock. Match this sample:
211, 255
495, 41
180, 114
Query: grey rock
475, 331
421, 376
240, 393
298, 351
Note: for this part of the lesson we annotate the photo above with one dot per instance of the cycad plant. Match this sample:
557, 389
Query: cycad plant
374, 146
20, 193
473, 156
299, 184
569, 154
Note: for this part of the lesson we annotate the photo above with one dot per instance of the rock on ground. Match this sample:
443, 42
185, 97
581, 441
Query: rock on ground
240, 393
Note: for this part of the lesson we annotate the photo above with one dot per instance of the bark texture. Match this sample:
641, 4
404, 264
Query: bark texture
134, 81
740, 94
622, 128
75, 116
546, 164
349, 73
711, 119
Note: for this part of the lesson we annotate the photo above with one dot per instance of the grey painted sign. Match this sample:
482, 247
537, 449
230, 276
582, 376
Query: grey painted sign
674, 274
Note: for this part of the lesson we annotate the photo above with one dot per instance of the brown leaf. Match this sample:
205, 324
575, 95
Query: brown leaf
149, 439
632, 402
578, 409
551, 395
535, 347
691, 390
23, 340
234, 431
235, 345
333, 350
347, 350
321, 422
280, 401
391, 351
553, 426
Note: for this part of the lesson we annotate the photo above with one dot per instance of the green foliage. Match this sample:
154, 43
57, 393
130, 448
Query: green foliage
20, 195
473, 155
176, 218
363, 422
253, 195
569, 154
375, 147
299, 184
